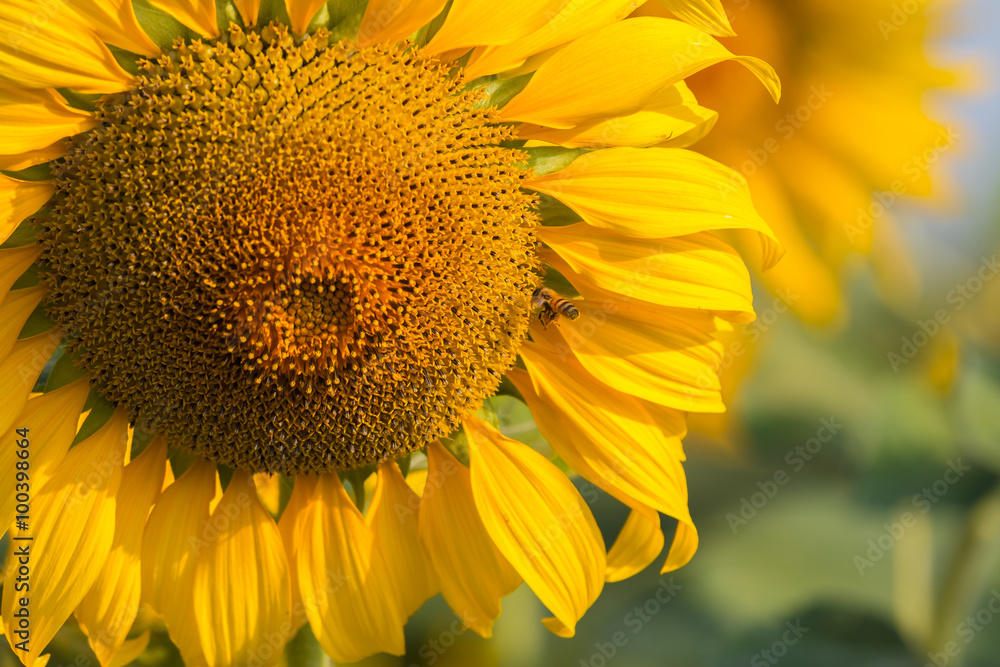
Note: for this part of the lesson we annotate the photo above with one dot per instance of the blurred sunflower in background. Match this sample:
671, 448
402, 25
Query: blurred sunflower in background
253, 246
848, 141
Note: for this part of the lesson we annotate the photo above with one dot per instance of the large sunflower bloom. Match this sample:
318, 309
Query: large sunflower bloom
246, 237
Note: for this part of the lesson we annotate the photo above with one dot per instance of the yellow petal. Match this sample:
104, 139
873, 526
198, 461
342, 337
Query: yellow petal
45, 46
177, 528
249, 10
19, 372
14, 262
695, 271
70, 527
596, 76
51, 420
14, 312
473, 574
27, 159
709, 15
392, 20
199, 15
131, 650
488, 22
18, 200
609, 438
36, 119
538, 521
657, 193
242, 600
393, 517
301, 12
107, 612
671, 116
348, 594
637, 545
652, 353
287, 526
269, 490
573, 19
115, 23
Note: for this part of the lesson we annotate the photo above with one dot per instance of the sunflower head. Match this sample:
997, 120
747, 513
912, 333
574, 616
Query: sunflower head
290, 255
311, 238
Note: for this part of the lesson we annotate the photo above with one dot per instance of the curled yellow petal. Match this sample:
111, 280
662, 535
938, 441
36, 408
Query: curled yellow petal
51, 421
650, 352
347, 592
287, 526
696, 271
657, 193
538, 521
114, 21
33, 119
18, 200
176, 530
199, 15
709, 15
107, 612
46, 46
249, 10
473, 574
596, 76
301, 12
393, 517
14, 312
61, 548
638, 544
130, 650
488, 22
19, 372
392, 20
573, 19
14, 262
242, 600
670, 117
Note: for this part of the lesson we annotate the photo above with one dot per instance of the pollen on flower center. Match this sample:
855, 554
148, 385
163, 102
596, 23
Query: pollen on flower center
292, 256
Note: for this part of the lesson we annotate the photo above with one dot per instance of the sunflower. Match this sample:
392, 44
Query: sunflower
251, 246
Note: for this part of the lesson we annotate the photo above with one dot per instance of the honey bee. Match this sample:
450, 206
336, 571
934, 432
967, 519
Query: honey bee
551, 306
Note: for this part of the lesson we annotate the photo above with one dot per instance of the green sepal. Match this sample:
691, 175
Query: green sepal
127, 60
498, 91
161, 27
547, 159
273, 10
100, 412
141, 437
40, 172
304, 650
404, 463
426, 33
27, 279
82, 101
23, 235
225, 475
37, 323
554, 213
226, 14
345, 17
63, 372
356, 479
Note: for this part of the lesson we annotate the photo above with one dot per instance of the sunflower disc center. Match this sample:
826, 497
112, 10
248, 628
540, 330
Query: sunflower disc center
289, 255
